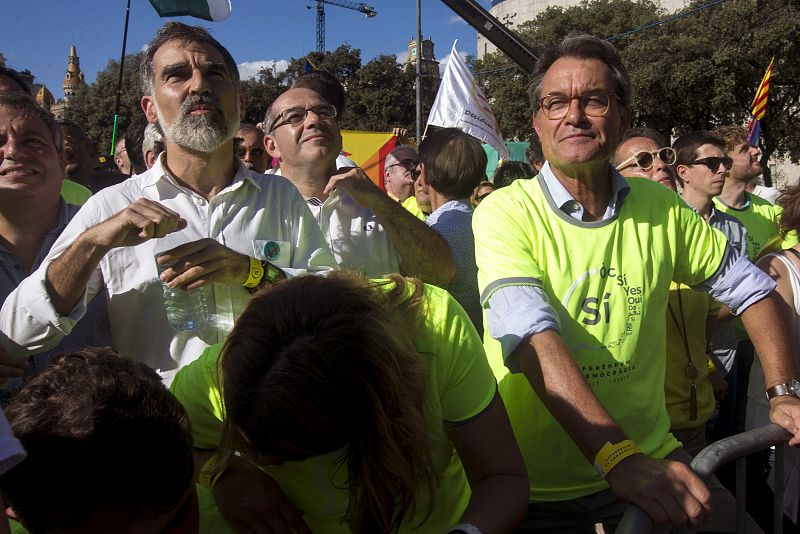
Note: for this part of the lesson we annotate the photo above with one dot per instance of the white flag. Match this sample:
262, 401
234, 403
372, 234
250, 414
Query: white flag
461, 104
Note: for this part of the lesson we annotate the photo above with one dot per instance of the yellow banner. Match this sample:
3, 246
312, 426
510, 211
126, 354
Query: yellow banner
368, 150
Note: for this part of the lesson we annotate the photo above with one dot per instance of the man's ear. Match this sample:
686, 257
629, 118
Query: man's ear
536, 126
149, 107
682, 172
626, 120
423, 176
272, 147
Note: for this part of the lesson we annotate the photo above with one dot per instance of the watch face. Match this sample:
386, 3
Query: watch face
794, 387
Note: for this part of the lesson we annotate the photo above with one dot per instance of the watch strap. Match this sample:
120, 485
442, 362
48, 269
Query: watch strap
781, 390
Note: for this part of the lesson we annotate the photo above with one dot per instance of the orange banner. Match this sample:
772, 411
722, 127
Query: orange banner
368, 150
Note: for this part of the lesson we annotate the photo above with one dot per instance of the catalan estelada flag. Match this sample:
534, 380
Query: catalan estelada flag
369, 150
759, 107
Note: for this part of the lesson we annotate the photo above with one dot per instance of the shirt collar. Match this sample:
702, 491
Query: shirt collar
714, 212
460, 204
567, 203
159, 172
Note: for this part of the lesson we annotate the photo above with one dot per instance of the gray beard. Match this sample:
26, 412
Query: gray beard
198, 133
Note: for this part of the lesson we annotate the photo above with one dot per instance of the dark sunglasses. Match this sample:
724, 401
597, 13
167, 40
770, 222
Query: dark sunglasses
408, 164
645, 159
256, 151
415, 174
713, 163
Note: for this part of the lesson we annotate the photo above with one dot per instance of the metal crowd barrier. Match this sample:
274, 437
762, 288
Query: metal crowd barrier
636, 521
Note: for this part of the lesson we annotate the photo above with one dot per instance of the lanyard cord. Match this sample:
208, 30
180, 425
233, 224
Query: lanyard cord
681, 327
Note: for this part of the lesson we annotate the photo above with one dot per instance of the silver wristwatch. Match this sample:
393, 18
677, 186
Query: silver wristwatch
779, 390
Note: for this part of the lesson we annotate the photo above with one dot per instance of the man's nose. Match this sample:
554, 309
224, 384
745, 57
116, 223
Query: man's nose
575, 112
199, 82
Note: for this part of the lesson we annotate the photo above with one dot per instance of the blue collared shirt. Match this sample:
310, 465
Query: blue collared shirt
567, 203
93, 331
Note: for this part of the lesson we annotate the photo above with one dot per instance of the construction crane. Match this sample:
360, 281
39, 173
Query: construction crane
362, 7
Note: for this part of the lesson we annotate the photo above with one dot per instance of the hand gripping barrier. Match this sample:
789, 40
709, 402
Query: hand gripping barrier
636, 521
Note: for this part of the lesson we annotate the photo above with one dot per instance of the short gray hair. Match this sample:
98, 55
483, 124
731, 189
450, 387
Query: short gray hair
392, 156
183, 33
152, 138
582, 45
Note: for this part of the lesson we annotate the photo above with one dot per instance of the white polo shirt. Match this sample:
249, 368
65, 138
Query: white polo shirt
258, 215
357, 239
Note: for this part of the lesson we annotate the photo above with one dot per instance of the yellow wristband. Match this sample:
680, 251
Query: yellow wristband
256, 273
613, 453
208, 477
711, 366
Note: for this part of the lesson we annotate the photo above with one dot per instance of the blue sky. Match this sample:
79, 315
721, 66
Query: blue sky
38, 33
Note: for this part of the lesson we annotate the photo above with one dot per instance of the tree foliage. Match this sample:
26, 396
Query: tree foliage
93, 106
380, 93
698, 72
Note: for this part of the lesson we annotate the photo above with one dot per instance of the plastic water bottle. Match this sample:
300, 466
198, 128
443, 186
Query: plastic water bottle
186, 310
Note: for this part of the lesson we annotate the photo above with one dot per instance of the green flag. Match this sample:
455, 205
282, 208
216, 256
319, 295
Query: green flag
213, 10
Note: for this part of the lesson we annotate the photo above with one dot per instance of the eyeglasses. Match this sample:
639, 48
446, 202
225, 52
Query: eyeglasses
408, 164
295, 116
254, 151
645, 159
713, 163
593, 104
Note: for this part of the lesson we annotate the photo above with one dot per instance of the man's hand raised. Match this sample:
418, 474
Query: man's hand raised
142, 220
667, 490
356, 182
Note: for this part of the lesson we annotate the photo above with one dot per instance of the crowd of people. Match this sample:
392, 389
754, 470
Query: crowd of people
240, 331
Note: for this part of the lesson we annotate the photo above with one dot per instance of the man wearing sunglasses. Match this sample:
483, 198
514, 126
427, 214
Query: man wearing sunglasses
642, 152
398, 172
574, 269
759, 216
250, 149
366, 230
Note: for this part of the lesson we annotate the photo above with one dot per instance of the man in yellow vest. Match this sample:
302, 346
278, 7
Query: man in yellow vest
574, 272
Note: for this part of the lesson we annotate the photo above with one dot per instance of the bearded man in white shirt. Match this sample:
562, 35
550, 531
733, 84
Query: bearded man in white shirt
238, 230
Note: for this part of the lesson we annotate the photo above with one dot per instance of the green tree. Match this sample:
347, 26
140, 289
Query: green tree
343, 63
698, 72
380, 97
93, 106
259, 93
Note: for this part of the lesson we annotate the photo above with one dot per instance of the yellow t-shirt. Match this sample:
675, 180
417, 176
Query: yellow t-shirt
608, 281
761, 220
690, 314
74, 193
412, 206
461, 386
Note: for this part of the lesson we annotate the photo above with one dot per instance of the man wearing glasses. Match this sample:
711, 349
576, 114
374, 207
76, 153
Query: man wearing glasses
366, 230
250, 148
398, 172
574, 269
641, 152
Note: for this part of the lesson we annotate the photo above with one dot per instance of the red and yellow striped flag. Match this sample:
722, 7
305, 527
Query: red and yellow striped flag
759, 107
